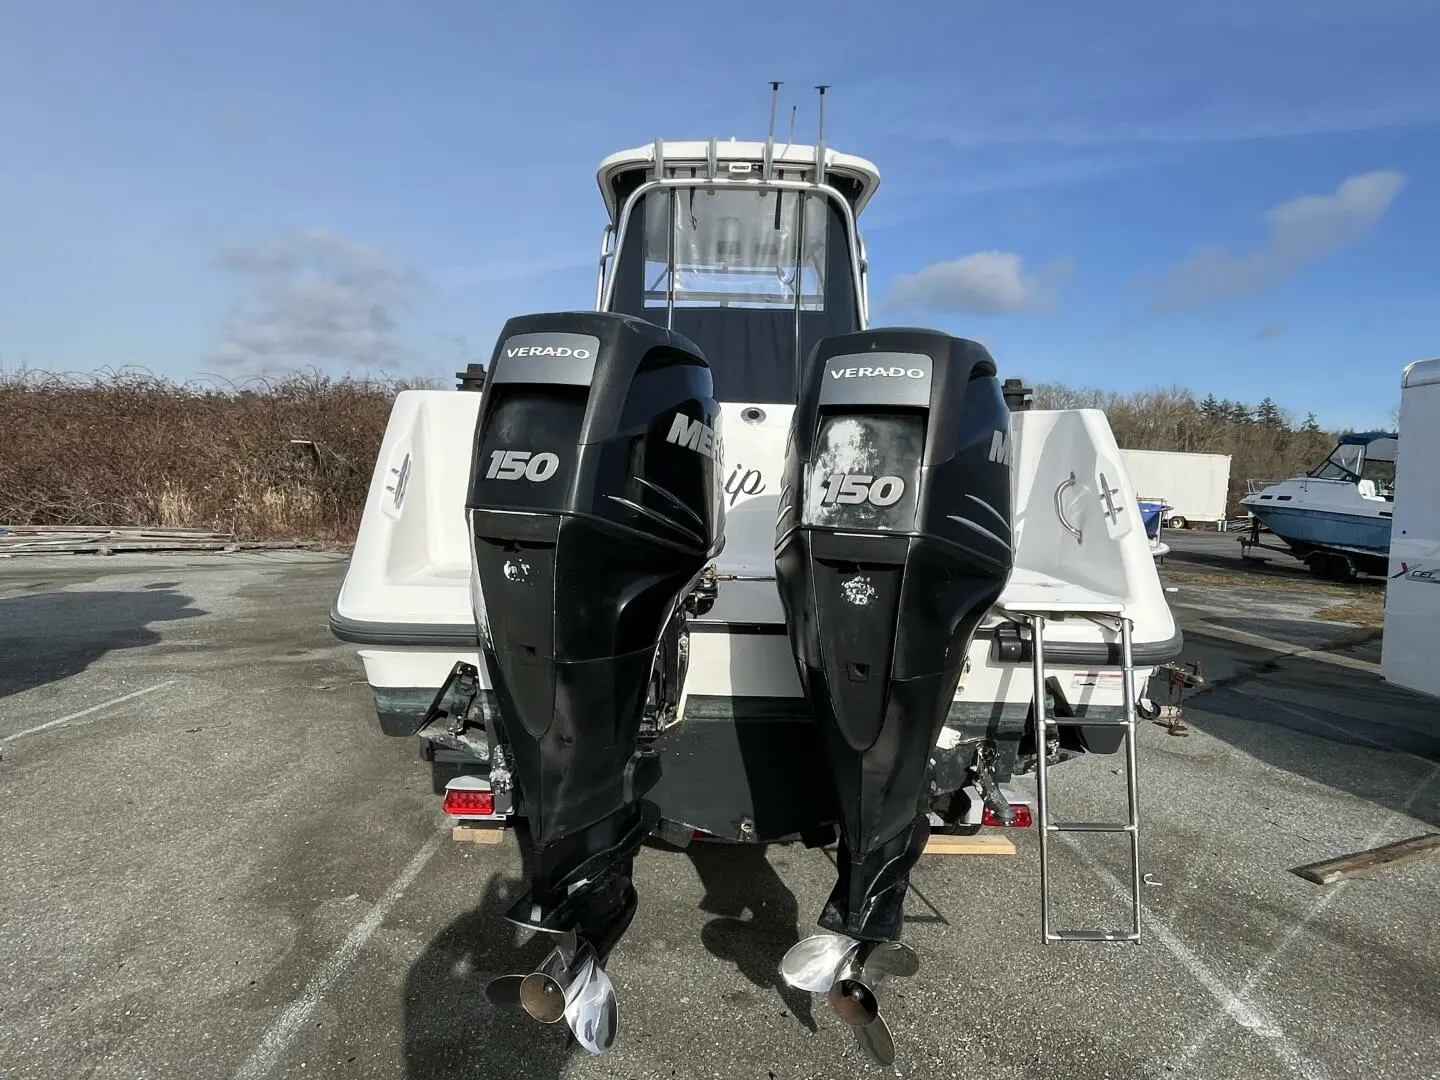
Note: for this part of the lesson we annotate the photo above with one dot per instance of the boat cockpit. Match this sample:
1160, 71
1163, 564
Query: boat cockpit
749, 250
1365, 459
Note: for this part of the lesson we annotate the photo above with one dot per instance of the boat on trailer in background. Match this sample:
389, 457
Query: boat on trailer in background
1336, 518
719, 558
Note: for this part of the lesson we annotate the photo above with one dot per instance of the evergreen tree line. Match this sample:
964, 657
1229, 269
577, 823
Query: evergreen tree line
1264, 441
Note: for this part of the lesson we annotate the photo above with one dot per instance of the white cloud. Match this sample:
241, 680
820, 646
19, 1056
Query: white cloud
315, 295
1302, 231
982, 283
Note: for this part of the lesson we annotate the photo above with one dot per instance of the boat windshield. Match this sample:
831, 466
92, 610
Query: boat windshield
754, 276
1358, 458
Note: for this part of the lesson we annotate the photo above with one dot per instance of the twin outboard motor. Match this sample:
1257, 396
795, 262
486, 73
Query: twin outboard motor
893, 541
595, 505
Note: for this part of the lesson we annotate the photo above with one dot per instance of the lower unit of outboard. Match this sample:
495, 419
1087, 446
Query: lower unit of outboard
893, 541
595, 505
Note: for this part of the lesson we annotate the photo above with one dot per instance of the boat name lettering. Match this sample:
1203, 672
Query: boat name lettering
743, 481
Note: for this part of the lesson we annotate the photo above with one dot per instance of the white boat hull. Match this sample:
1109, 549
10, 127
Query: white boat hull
407, 602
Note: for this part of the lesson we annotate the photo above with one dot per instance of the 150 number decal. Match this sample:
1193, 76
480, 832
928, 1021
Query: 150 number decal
514, 464
853, 488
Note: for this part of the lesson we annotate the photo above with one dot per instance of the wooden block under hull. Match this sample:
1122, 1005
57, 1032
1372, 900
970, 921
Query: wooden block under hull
477, 833
938, 844
979, 844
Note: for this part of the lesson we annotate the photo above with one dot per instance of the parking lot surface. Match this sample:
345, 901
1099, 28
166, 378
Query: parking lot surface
212, 864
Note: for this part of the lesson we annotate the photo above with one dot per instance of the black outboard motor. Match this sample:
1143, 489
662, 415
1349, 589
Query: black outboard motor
595, 505
893, 541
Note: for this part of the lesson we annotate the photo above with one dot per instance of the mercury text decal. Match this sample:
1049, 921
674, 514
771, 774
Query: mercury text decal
693, 435
1000, 452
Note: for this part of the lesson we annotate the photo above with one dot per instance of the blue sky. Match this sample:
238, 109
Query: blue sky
1241, 198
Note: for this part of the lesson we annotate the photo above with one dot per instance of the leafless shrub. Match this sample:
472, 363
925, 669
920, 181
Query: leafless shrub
130, 448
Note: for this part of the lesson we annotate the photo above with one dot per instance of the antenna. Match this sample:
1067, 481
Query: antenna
820, 143
770, 135
790, 138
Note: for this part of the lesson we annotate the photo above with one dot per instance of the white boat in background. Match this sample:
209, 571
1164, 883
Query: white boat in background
1337, 517
846, 462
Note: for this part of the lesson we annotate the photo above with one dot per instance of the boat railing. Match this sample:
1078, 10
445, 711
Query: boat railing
1254, 486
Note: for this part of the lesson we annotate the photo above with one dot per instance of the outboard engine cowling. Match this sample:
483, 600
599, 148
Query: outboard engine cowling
595, 505
893, 541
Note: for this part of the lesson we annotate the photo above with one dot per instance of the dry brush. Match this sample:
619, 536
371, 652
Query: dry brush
130, 448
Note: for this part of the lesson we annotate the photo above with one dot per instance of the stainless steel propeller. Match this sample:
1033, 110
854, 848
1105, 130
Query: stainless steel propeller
814, 963
570, 985
892, 958
504, 992
542, 992
847, 972
875, 1042
591, 1011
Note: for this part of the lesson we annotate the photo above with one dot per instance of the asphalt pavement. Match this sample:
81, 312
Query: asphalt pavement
213, 864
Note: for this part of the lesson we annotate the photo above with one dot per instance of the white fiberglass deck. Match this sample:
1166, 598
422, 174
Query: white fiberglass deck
1031, 591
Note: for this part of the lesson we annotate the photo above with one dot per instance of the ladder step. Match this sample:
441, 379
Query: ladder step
1090, 826
1048, 728
1092, 935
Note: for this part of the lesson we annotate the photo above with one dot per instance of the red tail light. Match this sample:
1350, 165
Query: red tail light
463, 802
1023, 817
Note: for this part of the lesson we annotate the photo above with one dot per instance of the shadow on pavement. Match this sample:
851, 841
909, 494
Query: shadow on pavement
1258, 712
45, 637
738, 878
451, 1030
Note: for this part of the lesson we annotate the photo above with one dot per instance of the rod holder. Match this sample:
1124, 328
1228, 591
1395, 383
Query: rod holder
820, 142
775, 85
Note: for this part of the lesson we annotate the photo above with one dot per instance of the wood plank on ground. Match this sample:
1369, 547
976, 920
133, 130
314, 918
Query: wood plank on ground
107, 530
1364, 863
117, 547
952, 844
478, 833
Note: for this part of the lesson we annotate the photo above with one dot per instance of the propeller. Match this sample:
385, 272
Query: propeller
875, 1042
847, 972
504, 992
592, 1012
571, 985
812, 964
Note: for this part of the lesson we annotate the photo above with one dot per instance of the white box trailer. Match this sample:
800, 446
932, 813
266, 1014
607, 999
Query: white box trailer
1195, 486
1408, 654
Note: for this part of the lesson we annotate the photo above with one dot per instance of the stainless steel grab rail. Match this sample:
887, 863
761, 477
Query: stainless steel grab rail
1060, 509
